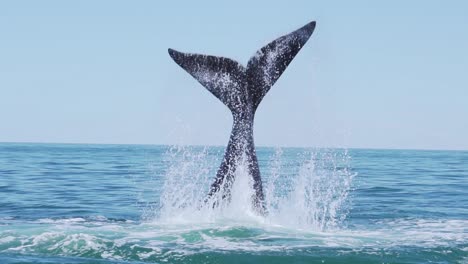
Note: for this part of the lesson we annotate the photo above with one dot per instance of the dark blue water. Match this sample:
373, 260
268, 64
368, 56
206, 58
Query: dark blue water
64, 203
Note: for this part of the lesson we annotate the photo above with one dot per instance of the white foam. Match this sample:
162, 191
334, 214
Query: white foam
150, 240
62, 220
7, 239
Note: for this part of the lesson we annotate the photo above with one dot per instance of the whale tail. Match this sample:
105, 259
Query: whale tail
242, 89
237, 86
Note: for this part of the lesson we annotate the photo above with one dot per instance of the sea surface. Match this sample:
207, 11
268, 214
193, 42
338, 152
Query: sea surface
78, 203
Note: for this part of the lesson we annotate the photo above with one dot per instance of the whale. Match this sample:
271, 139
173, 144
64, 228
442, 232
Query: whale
242, 88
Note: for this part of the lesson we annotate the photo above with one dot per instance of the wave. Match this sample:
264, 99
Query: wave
102, 238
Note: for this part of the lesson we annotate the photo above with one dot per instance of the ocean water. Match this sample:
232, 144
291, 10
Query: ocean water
73, 203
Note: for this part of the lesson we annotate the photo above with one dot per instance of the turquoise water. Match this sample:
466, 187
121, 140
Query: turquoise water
64, 203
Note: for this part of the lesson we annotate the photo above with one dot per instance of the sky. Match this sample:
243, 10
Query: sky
375, 74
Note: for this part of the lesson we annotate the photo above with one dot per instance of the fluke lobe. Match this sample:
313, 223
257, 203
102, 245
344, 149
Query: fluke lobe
242, 89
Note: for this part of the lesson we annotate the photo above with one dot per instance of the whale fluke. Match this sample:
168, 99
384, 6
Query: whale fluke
223, 77
242, 89
268, 63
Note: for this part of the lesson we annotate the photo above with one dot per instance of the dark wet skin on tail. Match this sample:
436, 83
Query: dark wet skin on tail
242, 89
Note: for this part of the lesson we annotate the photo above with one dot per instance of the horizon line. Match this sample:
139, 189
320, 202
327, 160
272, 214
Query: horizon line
213, 145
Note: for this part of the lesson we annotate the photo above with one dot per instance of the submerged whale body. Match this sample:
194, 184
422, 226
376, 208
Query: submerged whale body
242, 89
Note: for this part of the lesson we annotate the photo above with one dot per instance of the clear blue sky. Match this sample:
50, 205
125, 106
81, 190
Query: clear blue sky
380, 74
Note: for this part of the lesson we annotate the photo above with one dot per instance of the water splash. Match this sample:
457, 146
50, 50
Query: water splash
316, 197
309, 191
185, 182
